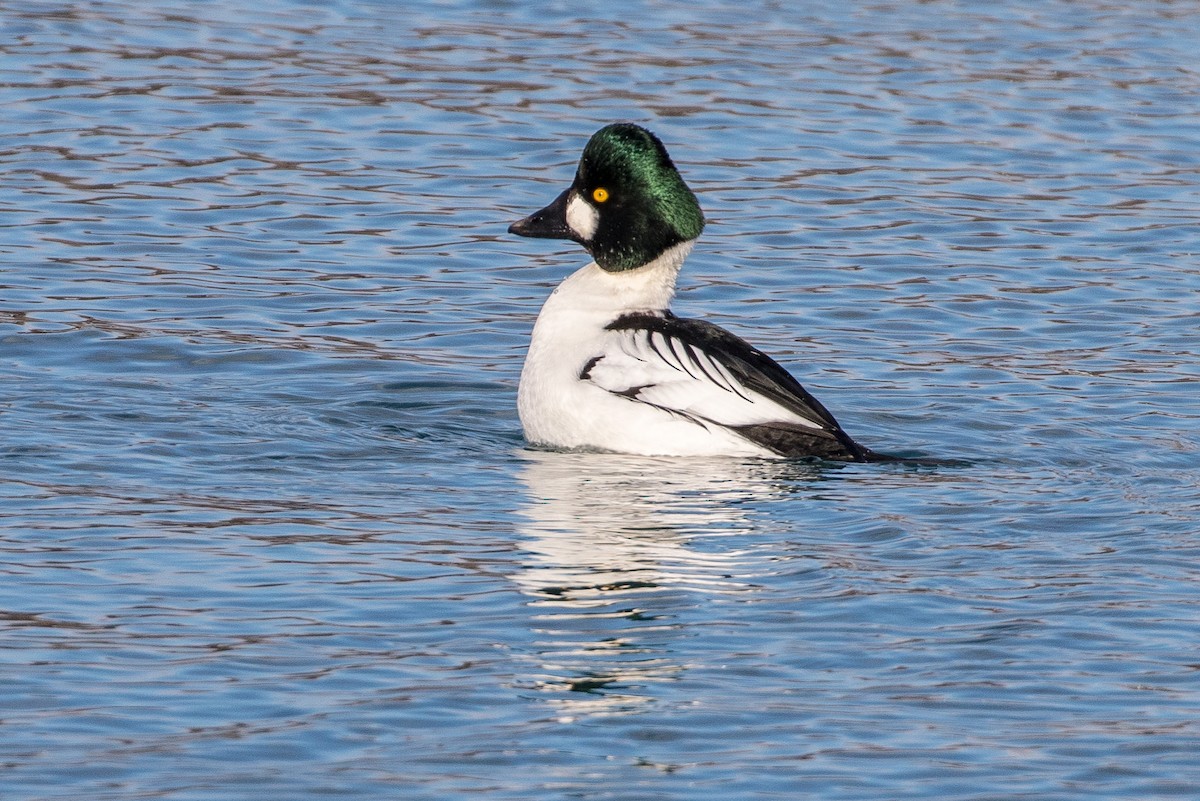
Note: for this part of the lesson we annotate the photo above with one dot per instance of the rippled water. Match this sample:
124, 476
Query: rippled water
268, 525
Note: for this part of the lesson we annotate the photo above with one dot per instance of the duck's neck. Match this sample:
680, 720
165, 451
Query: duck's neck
594, 291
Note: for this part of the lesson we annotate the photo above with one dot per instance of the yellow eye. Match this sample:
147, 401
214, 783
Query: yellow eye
600, 194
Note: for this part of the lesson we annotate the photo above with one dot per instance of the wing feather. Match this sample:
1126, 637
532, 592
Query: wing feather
699, 370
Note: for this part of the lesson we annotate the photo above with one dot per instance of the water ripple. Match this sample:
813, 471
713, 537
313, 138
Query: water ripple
268, 526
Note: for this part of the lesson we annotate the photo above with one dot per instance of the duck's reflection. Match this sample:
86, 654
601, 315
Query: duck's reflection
624, 556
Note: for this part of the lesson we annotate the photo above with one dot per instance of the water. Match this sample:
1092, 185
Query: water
269, 527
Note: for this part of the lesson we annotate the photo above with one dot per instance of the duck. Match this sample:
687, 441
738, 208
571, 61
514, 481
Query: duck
610, 368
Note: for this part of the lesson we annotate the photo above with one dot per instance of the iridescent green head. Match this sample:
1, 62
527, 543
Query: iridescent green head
627, 205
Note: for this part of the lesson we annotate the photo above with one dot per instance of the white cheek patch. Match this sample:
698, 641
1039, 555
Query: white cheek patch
582, 218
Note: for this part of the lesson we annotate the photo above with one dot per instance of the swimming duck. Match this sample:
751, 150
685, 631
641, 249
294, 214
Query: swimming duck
611, 368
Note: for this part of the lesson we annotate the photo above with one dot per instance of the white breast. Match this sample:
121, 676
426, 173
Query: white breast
560, 410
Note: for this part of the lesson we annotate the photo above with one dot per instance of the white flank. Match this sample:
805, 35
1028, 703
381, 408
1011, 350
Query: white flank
559, 409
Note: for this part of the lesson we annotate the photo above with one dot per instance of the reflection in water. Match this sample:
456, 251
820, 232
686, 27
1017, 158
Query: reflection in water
621, 549
599, 521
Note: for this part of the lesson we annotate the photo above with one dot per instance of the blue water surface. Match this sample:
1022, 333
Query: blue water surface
268, 525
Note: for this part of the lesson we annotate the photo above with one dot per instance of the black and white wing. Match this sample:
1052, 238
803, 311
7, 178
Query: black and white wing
701, 371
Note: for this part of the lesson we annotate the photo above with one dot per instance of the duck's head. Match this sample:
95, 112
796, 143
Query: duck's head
627, 205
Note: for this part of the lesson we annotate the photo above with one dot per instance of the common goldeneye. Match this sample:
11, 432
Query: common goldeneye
610, 368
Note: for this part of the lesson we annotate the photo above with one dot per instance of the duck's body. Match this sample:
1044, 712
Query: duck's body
609, 366
575, 387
